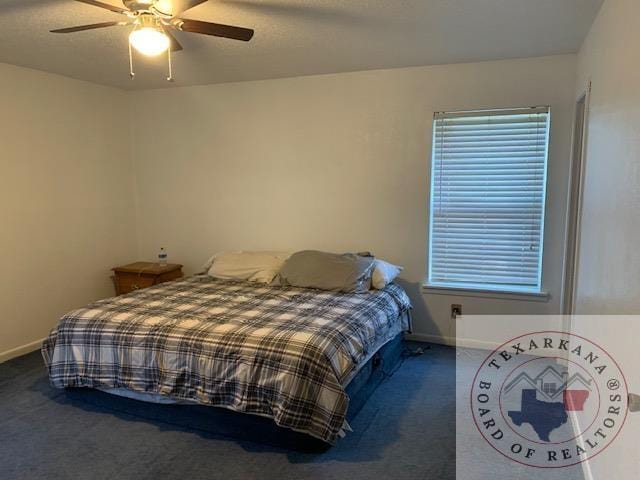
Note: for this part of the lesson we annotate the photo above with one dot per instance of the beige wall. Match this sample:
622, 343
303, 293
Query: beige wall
608, 277
608, 271
335, 162
66, 202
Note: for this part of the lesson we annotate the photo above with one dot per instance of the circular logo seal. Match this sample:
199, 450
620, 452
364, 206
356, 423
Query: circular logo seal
549, 399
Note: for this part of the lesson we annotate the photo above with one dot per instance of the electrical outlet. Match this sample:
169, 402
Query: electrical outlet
456, 310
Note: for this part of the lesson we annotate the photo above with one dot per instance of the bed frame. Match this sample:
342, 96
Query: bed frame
220, 422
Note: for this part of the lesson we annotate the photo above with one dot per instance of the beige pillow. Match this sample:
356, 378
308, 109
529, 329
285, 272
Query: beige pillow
260, 267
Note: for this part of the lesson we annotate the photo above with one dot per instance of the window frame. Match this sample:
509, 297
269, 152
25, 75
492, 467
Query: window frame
487, 289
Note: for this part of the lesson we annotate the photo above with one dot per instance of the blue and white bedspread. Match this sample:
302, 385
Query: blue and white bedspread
281, 352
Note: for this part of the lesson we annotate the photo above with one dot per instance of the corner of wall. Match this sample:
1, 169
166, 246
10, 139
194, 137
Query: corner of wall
131, 109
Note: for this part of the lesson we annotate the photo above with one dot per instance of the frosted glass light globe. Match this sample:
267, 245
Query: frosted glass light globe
149, 41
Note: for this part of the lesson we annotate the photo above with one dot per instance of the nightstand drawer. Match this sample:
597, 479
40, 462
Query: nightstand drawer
167, 277
128, 282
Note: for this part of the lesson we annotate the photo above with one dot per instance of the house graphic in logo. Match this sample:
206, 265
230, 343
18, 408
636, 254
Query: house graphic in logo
546, 399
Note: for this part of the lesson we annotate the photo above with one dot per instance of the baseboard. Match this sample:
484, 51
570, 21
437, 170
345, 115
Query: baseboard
438, 339
453, 341
22, 350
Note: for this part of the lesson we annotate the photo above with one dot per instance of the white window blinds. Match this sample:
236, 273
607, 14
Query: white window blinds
488, 182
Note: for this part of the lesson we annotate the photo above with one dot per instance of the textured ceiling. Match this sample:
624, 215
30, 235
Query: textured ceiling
295, 37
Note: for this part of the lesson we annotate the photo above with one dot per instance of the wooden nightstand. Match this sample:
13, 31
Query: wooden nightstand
144, 274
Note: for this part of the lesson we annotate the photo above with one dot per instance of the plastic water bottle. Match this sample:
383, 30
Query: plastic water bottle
162, 257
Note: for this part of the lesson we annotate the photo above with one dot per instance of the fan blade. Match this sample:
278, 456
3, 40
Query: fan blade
175, 44
106, 6
174, 7
89, 27
215, 29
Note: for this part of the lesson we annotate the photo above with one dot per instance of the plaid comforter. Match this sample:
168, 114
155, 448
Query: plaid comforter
284, 353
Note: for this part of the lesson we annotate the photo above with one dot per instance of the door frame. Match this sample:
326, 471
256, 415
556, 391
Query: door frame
575, 200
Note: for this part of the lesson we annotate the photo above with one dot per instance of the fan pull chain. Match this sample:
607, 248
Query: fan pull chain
170, 77
131, 72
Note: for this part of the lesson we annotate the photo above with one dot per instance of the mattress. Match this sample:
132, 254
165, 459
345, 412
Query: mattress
281, 352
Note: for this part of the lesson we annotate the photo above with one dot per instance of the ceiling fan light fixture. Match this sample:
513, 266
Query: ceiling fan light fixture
149, 41
153, 21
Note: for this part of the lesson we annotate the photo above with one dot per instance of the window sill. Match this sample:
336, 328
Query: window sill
485, 293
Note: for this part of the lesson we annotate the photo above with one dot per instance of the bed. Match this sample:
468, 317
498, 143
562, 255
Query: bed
285, 353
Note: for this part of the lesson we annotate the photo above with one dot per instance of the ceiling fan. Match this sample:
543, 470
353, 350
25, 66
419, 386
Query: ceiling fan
153, 21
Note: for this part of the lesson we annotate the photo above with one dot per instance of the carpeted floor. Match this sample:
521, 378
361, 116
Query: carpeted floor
405, 431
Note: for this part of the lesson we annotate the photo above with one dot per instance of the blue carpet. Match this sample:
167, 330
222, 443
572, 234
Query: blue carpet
406, 430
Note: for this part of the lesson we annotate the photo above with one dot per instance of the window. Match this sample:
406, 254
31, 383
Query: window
488, 181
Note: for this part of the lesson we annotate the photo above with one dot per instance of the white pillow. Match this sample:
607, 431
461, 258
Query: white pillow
384, 273
261, 267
